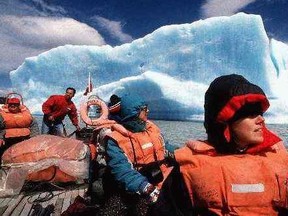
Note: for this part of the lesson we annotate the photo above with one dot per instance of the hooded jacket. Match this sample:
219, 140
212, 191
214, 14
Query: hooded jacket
221, 180
227, 98
144, 135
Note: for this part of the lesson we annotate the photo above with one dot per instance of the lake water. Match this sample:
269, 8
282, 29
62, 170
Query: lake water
177, 132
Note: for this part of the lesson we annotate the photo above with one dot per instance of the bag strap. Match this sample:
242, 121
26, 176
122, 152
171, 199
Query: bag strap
134, 153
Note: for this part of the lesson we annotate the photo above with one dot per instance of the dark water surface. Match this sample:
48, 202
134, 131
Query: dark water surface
177, 132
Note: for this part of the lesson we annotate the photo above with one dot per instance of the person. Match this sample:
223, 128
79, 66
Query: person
16, 124
114, 107
55, 108
241, 169
134, 152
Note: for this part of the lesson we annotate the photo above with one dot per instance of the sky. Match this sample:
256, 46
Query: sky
30, 27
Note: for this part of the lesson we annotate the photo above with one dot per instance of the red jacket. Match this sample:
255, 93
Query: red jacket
58, 107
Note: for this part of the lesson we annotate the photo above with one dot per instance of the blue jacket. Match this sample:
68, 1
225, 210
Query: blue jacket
121, 168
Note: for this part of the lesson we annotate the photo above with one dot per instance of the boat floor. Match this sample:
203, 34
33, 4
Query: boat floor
23, 205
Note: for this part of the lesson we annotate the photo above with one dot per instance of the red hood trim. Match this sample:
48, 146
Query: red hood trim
236, 102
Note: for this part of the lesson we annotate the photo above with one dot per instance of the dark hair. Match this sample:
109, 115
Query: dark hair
217, 139
71, 88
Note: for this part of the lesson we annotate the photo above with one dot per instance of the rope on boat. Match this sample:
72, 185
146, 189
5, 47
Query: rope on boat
48, 196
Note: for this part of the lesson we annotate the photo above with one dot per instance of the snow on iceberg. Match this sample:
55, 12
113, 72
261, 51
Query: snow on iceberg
171, 67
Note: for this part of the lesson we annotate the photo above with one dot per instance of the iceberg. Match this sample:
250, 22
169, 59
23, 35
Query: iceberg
171, 68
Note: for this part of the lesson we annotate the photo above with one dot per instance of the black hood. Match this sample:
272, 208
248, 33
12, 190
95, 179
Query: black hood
225, 96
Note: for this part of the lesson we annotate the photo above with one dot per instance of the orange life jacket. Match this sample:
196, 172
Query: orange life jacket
235, 184
48, 147
16, 124
148, 146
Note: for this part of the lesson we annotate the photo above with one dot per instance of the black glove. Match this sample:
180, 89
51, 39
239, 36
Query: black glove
169, 158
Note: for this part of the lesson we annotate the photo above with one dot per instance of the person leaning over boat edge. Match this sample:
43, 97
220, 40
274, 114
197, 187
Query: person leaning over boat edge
55, 108
241, 169
16, 124
131, 150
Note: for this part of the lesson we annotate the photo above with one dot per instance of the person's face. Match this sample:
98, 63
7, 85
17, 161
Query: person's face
248, 130
143, 115
14, 108
69, 94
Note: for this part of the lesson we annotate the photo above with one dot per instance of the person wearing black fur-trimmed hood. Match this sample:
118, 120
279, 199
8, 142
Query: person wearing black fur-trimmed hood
241, 169
136, 153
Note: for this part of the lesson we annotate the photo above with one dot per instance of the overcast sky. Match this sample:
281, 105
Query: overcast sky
30, 27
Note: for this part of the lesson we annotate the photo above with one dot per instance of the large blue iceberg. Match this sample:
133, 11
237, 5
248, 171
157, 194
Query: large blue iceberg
171, 67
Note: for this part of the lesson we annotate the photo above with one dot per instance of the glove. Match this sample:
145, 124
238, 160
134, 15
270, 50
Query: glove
2, 143
169, 158
152, 192
154, 195
148, 189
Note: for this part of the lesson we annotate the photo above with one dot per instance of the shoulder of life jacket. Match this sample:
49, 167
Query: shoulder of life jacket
244, 184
